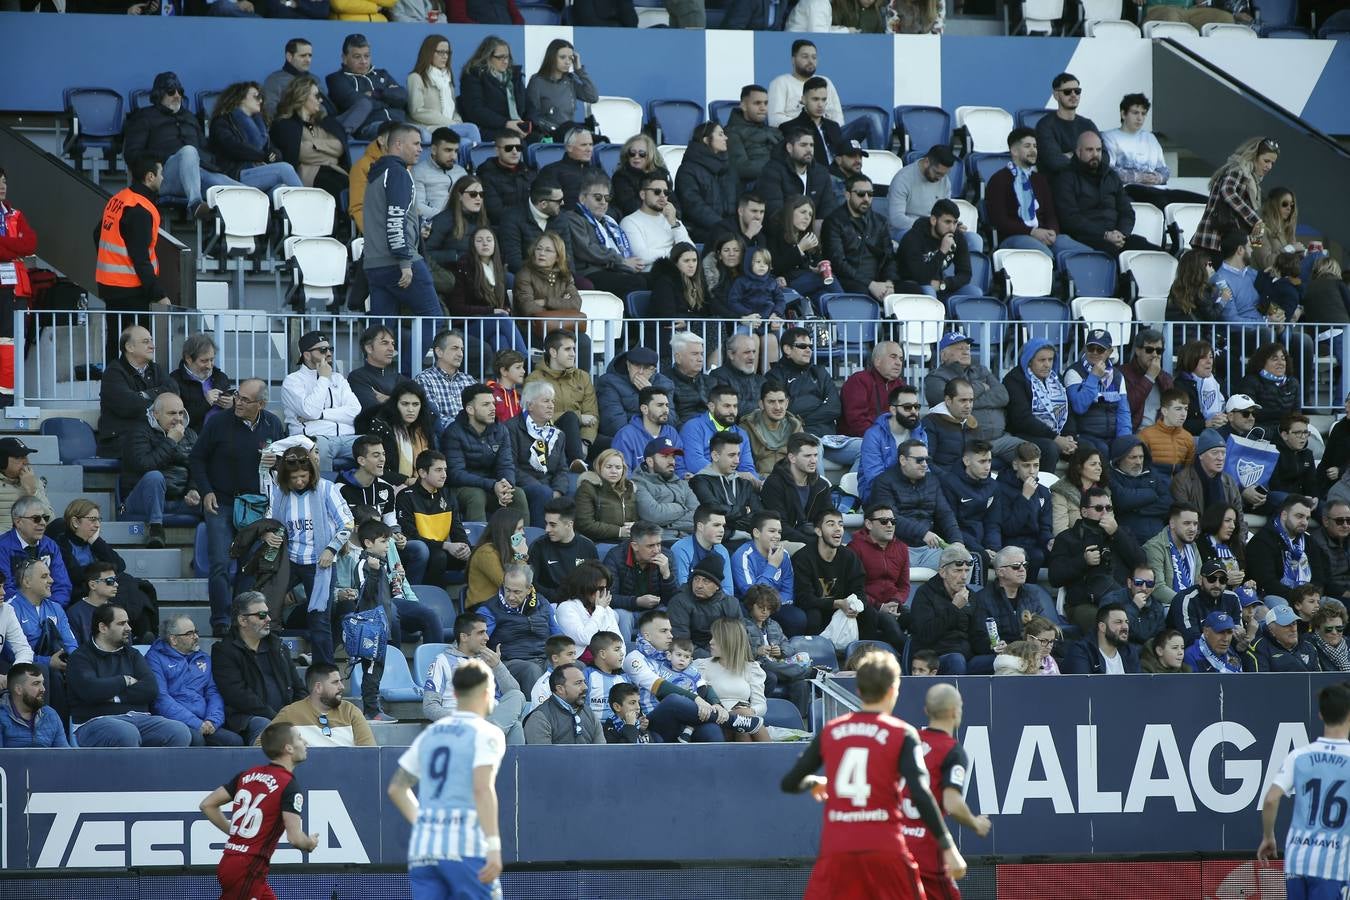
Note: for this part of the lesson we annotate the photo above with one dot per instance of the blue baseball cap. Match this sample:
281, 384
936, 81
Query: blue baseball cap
661, 445
1247, 597
1281, 615
1220, 621
953, 337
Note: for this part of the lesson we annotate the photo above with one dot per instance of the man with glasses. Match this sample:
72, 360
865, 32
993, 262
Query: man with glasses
1295, 470
1210, 594
576, 163
253, 669
1145, 379
320, 404
1091, 557
924, 520
596, 246
1280, 557
1011, 600
1146, 611
858, 243
322, 717
522, 225
750, 138
28, 540
812, 395
566, 718
1241, 411
884, 562
98, 582
882, 441
187, 692
1333, 539
1057, 134
434, 176
506, 179
654, 227
357, 80
223, 465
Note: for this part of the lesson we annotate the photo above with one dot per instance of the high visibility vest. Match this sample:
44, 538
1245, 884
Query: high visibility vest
114, 267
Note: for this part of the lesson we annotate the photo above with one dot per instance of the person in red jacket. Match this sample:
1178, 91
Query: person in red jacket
864, 393
1021, 204
885, 562
17, 240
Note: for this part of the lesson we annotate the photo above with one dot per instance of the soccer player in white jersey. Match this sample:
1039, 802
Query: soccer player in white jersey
456, 846
1317, 848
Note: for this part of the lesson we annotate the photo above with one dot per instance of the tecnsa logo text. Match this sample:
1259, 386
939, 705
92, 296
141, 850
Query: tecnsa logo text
98, 829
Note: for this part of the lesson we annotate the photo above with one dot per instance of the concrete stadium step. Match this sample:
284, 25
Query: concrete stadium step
176, 591
46, 447
168, 562
59, 500
127, 533
61, 479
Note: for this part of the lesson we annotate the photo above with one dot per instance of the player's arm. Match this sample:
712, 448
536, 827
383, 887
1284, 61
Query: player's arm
211, 808
802, 776
403, 793
485, 800
915, 773
295, 833
954, 769
1270, 808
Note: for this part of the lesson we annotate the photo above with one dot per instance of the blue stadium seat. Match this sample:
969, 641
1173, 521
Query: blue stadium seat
976, 312
721, 110
602, 550
608, 156
871, 645
924, 126
981, 272
1050, 316
540, 155
436, 598
857, 328
99, 113
140, 98
423, 657
1276, 12
201, 552
1285, 32
880, 120
675, 119
957, 179
982, 166
77, 445
533, 533
396, 684
821, 650
206, 103
1091, 274
481, 153
783, 714
1027, 118
468, 133
639, 304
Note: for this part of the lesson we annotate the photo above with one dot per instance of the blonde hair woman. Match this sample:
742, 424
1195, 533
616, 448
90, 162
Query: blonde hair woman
733, 673
1235, 195
917, 17
1279, 216
606, 500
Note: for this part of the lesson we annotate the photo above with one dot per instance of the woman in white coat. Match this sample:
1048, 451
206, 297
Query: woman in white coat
735, 676
590, 608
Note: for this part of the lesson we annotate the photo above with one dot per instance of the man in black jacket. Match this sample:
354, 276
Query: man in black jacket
934, 258
812, 394
825, 133
794, 172
1280, 557
644, 576
923, 517
155, 459
358, 80
858, 243
522, 225
253, 669
575, 164
782, 490
373, 383
721, 483
561, 550
507, 180
1092, 558
1091, 201
130, 384
111, 689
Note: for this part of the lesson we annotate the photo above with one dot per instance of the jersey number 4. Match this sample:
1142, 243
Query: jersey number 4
850, 779
1331, 806
246, 819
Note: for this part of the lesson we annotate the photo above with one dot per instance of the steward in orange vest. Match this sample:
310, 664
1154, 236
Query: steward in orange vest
127, 270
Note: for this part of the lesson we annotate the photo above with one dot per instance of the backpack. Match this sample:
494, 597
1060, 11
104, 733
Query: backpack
365, 634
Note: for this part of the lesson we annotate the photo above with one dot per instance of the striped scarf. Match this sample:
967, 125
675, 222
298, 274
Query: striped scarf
607, 226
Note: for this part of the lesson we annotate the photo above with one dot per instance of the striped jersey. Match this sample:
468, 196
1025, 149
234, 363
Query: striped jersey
598, 686
298, 512
443, 759
1317, 776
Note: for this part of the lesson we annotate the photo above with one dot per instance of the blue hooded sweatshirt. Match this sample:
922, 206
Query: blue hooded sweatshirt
187, 692
751, 293
632, 440
879, 450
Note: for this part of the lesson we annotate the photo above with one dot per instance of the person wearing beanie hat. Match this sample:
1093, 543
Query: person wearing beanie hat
1141, 494
1204, 482
700, 601
617, 390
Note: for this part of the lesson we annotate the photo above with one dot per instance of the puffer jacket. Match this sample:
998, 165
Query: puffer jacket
618, 396
187, 692
148, 449
749, 145
919, 506
1276, 399
155, 131
780, 494
520, 633
602, 510
1141, 501
477, 460
706, 188
812, 395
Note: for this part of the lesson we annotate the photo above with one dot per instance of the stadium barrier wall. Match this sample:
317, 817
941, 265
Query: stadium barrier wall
1064, 766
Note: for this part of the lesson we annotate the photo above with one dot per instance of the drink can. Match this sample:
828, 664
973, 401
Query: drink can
433, 16
826, 271
1315, 246
991, 627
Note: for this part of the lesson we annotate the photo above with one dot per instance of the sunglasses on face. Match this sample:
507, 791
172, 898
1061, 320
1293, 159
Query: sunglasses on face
1150, 350
918, 460
1341, 520
511, 148
1333, 629
861, 193
602, 198
40, 519
908, 406
1016, 567
637, 153
801, 346
1143, 582
1217, 578
1101, 507
324, 349
1073, 91
501, 56
109, 580
261, 616
963, 564
660, 192
886, 521
473, 194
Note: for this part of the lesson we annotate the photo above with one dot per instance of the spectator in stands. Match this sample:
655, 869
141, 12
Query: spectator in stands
722, 481
537, 450
477, 449
299, 58
17, 477
619, 390
722, 265
576, 162
1057, 135
732, 671
492, 89
669, 707
596, 245
453, 230
130, 384
112, 689
562, 83
358, 79
311, 137
1165, 654
680, 293
1038, 404
502, 544
323, 716
431, 92
224, 465
480, 293
1097, 394
924, 520
1327, 296
1194, 298
606, 497
561, 550
933, 259
1282, 648
1188, 11
1304, 600
28, 540
429, 516
690, 396
586, 608
1295, 471
1279, 216
706, 186
319, 402
785, 91
769, 428
434, 176
917, 187
574, 401
507, 181
1333, 540
797, 171
796, 251
643, 574
1234, 284
95, 585
1328, 636
942, 614
444, 381
1142, 494
1211, 651
1091, 558
566, 717
796, 492
1091, 202
471, 642
701, 601
1205, 407
361, 10
42, 619
740, 369
1086, 469
748, 223
652, 422
26, 720
991, 396
718, 415
1144, 378
1267, 382
663, 496
1174, 554
918, 17
406, 425
638, 158
1107, 650
888, 432
827, 580
710, 525
127, 267
1234, 202
750, 138
811, 391
1013, 599
167, 130
365, 485
155, 457
1204, 482
1209, 595
252, 669
519, 232
1135, 154
203, 387
1021, 205
1139, 598
187, 691
240, 142
885, 564
864, 396
1025, 508
970, 494
950, 425
858, 244
655, 227
1279, 555
519, 621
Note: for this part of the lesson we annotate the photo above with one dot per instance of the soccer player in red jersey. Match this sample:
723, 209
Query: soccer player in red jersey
947, 768
266, 802
866, 755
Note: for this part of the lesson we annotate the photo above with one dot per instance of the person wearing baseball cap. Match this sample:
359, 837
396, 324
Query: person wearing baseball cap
616, 391
663, 496
848, 161
1280, 648
1241, 410
17, 477
1209, 594
1212, 651
1098, 394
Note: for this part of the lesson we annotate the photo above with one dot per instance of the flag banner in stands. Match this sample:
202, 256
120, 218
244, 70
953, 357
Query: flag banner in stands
1067, 766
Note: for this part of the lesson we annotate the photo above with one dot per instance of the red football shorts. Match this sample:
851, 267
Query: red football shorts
939, 887
243, 878
864, 876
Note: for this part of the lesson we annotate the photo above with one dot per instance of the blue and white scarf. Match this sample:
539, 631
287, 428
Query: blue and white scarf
1049, 401
610, 227
1277, 379
1027, 206
1182, 577
1211, 397
1296, 569
329, 522
1224, 665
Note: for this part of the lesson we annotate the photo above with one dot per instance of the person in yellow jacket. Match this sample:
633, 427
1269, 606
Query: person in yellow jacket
359, 10
360, 174
1171, 445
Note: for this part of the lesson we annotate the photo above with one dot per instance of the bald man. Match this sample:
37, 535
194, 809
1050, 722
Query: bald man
1091, 201
155, 459
947, 768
